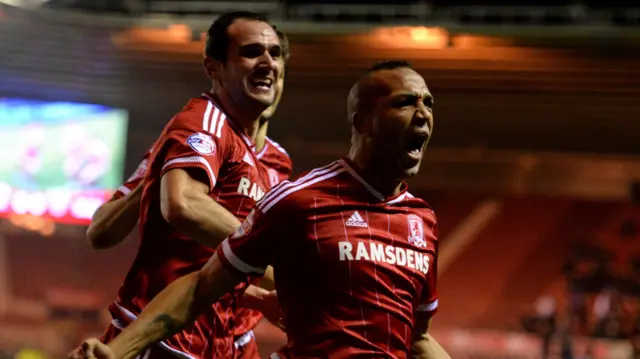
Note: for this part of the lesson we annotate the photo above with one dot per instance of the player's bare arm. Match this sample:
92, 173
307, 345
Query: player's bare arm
114, 220
185, 203
424, 346
177, 306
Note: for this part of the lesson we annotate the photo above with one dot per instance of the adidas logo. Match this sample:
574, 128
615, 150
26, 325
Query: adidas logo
356, 221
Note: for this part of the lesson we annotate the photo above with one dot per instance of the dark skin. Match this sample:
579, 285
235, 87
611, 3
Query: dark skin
387, 109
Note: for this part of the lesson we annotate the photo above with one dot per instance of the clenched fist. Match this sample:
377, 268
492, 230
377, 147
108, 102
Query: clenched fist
92, 349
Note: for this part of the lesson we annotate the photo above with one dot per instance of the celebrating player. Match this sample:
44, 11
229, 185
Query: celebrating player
354, 253
115, 219
201, 176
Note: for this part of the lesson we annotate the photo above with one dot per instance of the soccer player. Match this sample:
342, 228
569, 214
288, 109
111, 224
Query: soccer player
201, 177
354, 253
115, 219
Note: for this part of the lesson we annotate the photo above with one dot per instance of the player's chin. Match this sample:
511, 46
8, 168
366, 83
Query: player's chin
264, 96
410, 165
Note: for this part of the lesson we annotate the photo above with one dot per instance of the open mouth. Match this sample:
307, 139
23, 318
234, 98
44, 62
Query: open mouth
264, 84
415, 144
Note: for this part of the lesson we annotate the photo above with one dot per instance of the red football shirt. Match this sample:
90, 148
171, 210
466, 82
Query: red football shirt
201, 138
279, 167
354, 270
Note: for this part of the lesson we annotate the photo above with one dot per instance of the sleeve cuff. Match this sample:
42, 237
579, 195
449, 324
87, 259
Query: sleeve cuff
192, 161
233, 263
427, 307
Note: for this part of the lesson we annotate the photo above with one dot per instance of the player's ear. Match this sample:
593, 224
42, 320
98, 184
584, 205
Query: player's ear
212, 68
360, 122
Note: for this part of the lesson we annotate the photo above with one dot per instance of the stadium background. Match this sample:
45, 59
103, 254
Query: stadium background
533, 168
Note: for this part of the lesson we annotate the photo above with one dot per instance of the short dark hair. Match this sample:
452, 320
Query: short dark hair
389, 65
217, 43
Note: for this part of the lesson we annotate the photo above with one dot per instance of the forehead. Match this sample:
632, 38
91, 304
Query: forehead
244, 32
401, 80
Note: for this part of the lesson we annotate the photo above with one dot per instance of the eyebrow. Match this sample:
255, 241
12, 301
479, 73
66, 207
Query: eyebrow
426, 95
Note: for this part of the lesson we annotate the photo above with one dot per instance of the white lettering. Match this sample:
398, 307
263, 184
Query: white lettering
410, 262
377, 252
391, 256
243, 186
345, 251
362, 252
419, 262
426, 264
250, 189
254, 194
401, 256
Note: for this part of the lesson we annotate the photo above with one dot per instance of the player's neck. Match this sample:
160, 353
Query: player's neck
261, 138
247, 117
381, 179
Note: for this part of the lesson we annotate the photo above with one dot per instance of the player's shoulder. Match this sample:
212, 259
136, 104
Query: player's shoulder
277, 147
280, 153
409, 201
202, 114
300, 191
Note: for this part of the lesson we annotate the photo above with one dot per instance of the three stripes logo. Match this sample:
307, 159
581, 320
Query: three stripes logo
356, 220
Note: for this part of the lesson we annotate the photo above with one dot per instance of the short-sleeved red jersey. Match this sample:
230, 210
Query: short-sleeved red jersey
354, 270
200, 137
279, 167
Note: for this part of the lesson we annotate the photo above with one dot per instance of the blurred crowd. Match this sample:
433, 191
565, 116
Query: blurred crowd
601, 299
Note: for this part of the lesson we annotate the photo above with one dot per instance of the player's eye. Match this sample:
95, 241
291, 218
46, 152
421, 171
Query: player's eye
428, 102
405, 101
275, 52
251, 51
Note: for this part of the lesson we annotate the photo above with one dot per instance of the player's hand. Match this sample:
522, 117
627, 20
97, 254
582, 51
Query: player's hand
92, 349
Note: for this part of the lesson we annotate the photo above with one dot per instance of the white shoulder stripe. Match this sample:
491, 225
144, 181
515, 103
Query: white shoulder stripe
291, 187
207, 115
278, 146
223, 117
214, 120
238, 263
194, 159
279, 188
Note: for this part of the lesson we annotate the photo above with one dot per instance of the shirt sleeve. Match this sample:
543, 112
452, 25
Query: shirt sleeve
428, 304
256, 243
186, 144
134, 180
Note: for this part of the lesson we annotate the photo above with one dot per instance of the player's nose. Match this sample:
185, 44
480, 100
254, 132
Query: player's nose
268, 62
